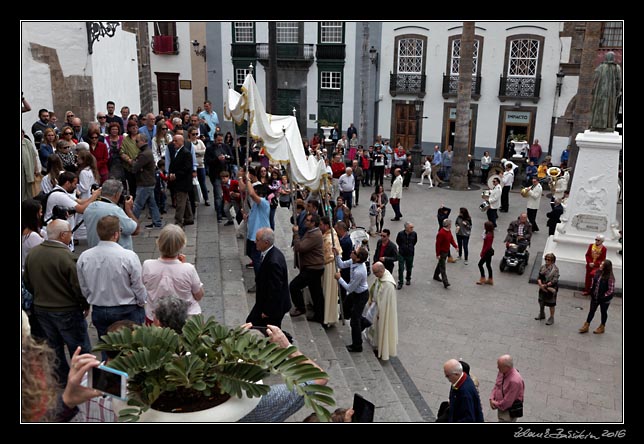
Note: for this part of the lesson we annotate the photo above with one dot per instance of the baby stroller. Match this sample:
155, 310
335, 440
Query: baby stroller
516, 255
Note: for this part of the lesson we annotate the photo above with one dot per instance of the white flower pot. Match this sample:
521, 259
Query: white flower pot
230, 411
327, 132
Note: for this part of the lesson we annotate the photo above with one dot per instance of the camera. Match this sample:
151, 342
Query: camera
59, 212
95, 187
124, 196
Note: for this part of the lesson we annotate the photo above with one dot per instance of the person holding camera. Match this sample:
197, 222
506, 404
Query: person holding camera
217, 157
508, 389
112, 202
61, 203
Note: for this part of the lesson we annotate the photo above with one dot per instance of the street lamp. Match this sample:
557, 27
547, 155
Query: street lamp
200, 52
373, 56
560, 77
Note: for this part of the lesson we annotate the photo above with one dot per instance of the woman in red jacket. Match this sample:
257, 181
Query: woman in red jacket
99, 150
486, 254
595, 255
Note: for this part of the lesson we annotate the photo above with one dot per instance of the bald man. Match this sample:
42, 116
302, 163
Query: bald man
464, 401
508, 388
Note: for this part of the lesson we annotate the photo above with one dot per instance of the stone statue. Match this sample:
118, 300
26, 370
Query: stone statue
607, 88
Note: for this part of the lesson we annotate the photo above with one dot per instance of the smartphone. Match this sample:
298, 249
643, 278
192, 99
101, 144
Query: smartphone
260, 328
363, 410
110, 381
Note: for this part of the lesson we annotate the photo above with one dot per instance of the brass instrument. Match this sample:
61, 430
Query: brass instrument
525, 191
555, 173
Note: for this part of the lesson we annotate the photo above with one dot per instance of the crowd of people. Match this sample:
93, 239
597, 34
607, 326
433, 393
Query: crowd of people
107, 173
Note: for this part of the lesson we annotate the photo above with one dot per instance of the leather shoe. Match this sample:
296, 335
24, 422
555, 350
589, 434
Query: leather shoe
192, 222
395, 219
207, 203
399, 285
354, 349
438, 279
408, 282
296, 312
446, 284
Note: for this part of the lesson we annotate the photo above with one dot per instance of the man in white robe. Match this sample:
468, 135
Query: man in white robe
383, 334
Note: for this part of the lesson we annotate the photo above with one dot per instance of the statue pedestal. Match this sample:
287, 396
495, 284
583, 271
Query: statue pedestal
590, 210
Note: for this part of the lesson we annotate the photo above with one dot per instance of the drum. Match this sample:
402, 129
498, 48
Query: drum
358, 236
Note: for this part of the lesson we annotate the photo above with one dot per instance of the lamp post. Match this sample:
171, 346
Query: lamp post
560, 77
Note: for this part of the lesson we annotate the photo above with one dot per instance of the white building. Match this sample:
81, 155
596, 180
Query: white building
373, 74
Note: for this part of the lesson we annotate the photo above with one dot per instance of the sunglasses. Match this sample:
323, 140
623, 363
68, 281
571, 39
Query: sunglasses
68, 134
164, 128
102, 117
94, 137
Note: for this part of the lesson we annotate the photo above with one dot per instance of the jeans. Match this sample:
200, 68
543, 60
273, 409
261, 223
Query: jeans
159, 193
145, 195
463, 243
405, 262
65, 328
201, 177
219, 195
487, 260
103, 317
603, 307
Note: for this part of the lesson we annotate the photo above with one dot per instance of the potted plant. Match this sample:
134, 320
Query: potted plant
326, 128
207, 364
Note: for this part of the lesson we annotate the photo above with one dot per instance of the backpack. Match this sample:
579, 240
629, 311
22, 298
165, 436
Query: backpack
43, 197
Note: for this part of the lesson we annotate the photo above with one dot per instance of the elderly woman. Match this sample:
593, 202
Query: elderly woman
548, 282
170, 274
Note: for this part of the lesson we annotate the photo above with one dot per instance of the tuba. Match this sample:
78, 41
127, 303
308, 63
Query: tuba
554, 173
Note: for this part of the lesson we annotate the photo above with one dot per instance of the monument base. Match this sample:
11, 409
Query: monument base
591, 209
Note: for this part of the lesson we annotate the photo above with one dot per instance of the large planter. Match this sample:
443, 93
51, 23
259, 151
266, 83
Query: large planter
327, 132
230, 411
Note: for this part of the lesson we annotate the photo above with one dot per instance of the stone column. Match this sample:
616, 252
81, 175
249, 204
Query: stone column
591, 209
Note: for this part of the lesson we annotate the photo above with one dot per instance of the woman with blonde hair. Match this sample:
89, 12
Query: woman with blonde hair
171, 274
47, 147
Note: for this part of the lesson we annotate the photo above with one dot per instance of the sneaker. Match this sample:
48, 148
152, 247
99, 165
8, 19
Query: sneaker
220, 221
250, 265
465, 262
151, 226
228, 223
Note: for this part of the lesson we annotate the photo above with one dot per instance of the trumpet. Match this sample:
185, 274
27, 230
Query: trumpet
526, 190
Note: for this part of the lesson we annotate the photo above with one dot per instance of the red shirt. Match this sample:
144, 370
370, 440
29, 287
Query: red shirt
487, 243
443, 240
227, 188
338, 169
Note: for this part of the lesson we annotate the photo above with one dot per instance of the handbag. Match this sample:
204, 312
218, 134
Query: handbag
394, 200
516, 409
197, 188
370, 312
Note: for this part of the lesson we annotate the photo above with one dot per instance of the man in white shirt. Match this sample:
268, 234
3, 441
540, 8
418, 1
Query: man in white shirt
346, 184
110, 279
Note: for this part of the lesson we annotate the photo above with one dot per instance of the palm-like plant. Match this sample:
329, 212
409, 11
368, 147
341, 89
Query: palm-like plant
206, 360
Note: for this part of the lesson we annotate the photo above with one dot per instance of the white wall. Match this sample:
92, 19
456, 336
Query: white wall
179, 63
350, 67
490, 68
116, 74
70, 41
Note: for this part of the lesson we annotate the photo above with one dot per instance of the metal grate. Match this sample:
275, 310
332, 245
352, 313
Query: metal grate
410, 56
456, 57
524, 57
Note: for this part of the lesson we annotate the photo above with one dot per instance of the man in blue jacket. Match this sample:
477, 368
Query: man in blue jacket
464, 400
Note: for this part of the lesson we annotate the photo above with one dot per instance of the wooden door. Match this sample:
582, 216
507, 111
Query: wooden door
168, 90
405, 126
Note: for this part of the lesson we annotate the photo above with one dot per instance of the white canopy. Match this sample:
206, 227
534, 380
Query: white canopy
280, 134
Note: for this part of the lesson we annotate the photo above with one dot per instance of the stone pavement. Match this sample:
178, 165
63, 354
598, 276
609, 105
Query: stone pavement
569, 377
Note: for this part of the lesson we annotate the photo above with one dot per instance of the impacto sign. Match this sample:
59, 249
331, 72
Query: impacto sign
452, 114
517, 117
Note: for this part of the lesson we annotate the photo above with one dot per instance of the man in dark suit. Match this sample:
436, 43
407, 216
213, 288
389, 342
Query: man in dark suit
273, 298
180, 180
